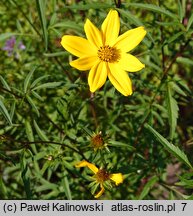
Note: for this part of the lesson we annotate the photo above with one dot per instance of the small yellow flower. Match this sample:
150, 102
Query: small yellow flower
101, 175
104, 53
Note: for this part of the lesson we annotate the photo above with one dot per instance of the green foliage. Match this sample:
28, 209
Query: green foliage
48, 117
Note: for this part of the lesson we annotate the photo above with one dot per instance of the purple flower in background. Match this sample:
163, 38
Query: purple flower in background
21, 46
10, 46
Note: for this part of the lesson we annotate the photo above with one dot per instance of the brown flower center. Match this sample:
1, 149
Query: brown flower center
97, 141
108, 54
102, 175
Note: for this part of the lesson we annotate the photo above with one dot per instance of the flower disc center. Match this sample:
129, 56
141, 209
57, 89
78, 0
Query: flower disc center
102, 175
108, 54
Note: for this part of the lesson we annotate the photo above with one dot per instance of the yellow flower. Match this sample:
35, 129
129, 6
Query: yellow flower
104, 53
101, 175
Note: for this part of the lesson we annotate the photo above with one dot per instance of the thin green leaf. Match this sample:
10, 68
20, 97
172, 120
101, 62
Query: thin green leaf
56, 54
41, 7
47, 186
68, 25
5, 112
67, 189
29, 131
25, 178
12, 109
40, 133
117, 144
53, 19
131, 17
32, 105
6, 35
3, 188
28, 78
152, 65
151, 182
48, 85
35, 82
158, 117
36, 95
169, 24
174, 37
175, 151
172, 108
81, 6
5, 85
154, 8
181, 12
190, 21
185, 60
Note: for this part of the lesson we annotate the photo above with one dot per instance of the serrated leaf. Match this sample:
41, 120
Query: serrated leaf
147, 187
172, 108
175, 151
5, 113
178, 89
40, 133
48, 85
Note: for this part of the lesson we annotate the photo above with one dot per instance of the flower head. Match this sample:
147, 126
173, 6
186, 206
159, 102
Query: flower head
10, 46
104, 53
97, 141
101, 176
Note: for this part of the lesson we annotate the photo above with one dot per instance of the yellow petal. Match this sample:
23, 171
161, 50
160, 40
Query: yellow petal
117, 178
100, 192
93, 34
84, 163
97, 76
130, 39
78, 46
110, 28
130, 63
84, 63
120, 79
